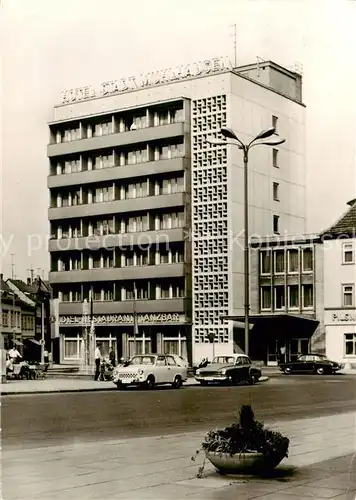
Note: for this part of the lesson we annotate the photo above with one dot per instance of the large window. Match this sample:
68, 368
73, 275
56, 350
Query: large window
279, 297
348, 253
276, 224
276, 191
308, 296
293, 261
266, 298
307, 260
350, 344
72, 347
279, 261
293, 296
348, 292
265, 256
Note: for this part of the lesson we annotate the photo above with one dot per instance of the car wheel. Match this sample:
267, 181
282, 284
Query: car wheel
202, 382
150, 382
120, 386
252, 379
177, 384
320, 370
287, 370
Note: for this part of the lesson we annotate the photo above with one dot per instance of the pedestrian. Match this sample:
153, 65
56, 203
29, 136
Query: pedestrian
112, 356
46, 356
97, 361
14, 355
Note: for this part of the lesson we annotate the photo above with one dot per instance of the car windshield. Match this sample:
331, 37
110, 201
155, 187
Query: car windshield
143, 360
224, 359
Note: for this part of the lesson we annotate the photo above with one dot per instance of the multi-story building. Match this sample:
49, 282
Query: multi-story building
286, 298
142, 206
340, 287
11, 332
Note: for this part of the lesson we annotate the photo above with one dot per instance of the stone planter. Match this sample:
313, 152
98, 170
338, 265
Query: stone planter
242, 462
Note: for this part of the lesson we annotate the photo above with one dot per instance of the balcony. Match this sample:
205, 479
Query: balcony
117, 173
125, 307
126, 240
118, 273
118, 206
142, 135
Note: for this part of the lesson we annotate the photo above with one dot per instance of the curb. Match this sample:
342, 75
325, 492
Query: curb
91, 389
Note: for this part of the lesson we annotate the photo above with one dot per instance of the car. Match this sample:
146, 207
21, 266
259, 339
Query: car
311, 363
149, 370
179, 360
232, 369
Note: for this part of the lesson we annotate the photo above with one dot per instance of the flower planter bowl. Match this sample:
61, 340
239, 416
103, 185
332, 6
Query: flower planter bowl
242, 462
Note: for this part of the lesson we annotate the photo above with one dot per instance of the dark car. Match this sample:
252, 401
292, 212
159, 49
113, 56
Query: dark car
232, 369
311, 363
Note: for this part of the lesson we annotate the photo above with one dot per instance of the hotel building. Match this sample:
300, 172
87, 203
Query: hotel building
141, 205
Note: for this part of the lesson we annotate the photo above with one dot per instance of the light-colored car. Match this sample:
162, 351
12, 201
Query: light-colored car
149, 370
232, 369
179, 360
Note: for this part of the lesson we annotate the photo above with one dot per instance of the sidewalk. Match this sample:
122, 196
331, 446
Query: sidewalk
161, 468
66, 385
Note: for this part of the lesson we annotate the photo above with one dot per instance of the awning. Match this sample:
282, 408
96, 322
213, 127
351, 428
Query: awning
17, 342
34, 341
280, 325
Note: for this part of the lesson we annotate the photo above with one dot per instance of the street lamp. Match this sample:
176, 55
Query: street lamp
228, 133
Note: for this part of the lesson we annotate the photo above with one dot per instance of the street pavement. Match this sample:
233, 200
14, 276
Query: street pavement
160, 467
137, 444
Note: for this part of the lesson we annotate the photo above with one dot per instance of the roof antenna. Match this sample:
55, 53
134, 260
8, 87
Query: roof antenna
13, 275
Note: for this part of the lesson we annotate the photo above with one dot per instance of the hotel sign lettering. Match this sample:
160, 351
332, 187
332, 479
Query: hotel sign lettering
343, 317
122, 319
112, 87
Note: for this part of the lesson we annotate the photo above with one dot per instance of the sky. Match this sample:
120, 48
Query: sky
50, 45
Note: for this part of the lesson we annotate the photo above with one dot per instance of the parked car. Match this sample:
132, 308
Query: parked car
179, 360
232, 369
311, 363
149, 370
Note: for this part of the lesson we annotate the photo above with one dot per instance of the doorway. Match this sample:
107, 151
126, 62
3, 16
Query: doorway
297, 347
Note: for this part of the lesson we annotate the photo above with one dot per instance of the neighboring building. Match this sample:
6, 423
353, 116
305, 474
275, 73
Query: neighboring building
11, 332
34, 299
340, 287
140, 201
286, 298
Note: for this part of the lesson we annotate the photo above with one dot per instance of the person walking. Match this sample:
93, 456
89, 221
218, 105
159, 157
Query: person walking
14, 355
98, 357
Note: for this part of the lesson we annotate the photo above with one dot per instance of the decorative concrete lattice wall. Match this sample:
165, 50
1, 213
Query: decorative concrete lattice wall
209, 221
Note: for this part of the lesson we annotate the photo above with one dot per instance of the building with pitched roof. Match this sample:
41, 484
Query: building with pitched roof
339, 243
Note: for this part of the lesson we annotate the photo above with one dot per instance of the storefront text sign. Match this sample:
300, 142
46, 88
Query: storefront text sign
122, 319
341, 317
207, 67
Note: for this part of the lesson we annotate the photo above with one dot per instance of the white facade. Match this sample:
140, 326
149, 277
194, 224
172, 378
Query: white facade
340, 299
247, 106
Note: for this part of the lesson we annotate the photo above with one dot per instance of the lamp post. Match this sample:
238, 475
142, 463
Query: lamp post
228, 133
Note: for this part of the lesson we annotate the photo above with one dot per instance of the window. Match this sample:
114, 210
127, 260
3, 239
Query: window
276, 224
350, 344
348, 295
293, 296
275, 158
307, 260
279, 261
279, 297
293, 261
276, 191
265, 262
266, 297
275, 123
348, 253
308, 296
171, 361
96, 261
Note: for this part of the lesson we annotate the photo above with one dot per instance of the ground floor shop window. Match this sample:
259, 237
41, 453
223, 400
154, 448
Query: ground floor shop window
350, 344
72, 347
175, 345
139, 345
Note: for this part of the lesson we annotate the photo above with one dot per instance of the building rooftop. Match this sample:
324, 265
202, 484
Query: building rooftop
346, 225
